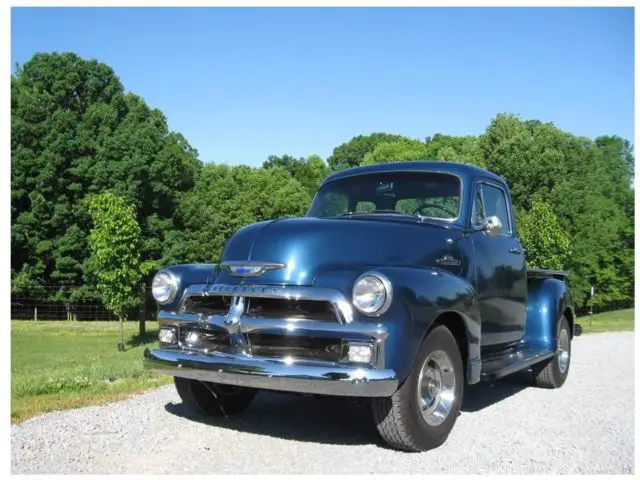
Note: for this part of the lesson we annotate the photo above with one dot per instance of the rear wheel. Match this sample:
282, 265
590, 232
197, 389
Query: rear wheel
552, 373
213, 399
422, 413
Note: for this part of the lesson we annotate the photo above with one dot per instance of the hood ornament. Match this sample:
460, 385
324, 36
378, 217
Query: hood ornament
250, 268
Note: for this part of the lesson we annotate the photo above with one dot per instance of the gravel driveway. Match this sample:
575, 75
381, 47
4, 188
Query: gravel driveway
587, 426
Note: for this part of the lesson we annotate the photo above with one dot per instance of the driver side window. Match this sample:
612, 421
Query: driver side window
477, 214
490, 201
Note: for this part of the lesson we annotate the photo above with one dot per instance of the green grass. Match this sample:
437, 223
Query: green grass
62, 365
616, 321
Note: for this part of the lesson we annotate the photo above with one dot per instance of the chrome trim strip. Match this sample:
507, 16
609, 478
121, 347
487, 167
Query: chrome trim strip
256, 268
250, 323
273, 374
272, 291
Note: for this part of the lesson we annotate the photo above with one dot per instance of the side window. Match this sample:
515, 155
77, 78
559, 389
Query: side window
477, 214
495, 203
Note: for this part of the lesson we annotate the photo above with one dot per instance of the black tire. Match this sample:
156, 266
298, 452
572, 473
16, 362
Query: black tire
213, 399
399, 418
548, 374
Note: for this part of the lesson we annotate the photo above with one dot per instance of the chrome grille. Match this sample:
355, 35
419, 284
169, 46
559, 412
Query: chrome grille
259, 308
297, 309
207, 337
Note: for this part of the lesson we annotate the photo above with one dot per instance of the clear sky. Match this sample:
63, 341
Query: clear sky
243, 84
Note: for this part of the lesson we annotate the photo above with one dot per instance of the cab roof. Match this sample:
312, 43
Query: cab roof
464, 171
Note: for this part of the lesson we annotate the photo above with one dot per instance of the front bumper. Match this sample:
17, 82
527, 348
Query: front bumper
268, 349
273, 374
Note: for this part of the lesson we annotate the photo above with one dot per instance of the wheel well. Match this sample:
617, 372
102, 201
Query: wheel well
456, 326
570, 318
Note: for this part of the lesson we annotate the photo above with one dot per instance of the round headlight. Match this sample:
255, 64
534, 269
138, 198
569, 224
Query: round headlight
164, 287
372, 294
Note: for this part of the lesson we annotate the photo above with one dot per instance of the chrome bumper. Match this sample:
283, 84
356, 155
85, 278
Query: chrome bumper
272, 374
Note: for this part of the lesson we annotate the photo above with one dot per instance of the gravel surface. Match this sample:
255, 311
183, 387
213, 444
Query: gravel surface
587, 426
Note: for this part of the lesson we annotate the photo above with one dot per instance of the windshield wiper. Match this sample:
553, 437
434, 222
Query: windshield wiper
383, 212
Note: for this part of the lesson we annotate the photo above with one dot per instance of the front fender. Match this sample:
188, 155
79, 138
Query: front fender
189, 274
421, 295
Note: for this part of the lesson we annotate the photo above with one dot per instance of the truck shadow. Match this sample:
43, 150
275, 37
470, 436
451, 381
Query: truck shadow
292, 417
329, 420
484, 394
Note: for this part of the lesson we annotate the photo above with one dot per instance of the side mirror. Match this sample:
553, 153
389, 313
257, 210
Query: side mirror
492, 226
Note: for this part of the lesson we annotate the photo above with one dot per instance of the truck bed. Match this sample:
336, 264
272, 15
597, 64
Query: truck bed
544, 273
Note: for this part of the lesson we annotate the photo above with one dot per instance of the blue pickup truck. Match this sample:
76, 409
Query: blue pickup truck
404, 283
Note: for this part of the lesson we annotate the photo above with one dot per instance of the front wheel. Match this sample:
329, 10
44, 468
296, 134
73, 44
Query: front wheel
213, 399
422, 413
553, 373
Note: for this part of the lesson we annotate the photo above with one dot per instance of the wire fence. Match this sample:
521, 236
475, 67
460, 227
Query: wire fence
41, 305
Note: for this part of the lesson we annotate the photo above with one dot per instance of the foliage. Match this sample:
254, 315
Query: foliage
545, 241
308, 171
115, 244
449, 148
352, 153
402, 149
74, 132
225, 199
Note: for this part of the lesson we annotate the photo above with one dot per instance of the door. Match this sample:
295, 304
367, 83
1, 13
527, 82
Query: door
501, 280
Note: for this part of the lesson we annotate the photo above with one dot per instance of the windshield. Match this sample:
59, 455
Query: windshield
428, 194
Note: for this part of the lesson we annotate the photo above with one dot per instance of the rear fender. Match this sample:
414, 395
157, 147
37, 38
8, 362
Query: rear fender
548, 299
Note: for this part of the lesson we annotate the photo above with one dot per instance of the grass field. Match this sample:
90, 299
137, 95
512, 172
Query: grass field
61, 365
616, 321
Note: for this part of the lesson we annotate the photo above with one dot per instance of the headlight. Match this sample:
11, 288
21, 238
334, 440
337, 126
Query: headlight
372, 293
164, 286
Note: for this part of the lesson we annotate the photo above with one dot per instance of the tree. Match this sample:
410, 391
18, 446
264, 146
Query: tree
352, 153
586, 183
402, 149
227, 198
75, 132
449, 148
546, 243
308, 171
115, 242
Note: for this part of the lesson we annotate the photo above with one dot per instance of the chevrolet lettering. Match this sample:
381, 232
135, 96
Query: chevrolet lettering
403, 284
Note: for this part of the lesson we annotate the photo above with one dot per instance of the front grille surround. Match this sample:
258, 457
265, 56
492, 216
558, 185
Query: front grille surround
288, 324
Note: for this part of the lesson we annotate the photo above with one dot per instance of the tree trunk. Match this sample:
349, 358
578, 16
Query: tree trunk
121, 344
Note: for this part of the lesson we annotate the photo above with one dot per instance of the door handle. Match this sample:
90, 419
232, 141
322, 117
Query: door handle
516, 250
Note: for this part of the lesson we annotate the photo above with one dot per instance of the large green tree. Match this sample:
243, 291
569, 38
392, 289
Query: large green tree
74, 132
227, 198
308, 171
352, 153
587, 184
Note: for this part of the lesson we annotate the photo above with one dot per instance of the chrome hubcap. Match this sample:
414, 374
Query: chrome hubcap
562, 354
436, 388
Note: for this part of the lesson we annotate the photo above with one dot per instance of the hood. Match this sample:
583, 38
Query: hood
310, 245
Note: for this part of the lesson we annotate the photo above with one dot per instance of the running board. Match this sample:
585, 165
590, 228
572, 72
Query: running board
512, 362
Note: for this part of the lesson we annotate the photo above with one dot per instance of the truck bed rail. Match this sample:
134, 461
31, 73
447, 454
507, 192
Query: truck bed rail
544, 273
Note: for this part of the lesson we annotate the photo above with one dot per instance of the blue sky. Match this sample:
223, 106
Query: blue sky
242, 84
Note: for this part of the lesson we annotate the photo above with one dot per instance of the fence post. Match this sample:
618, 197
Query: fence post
143, 309
35, 314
